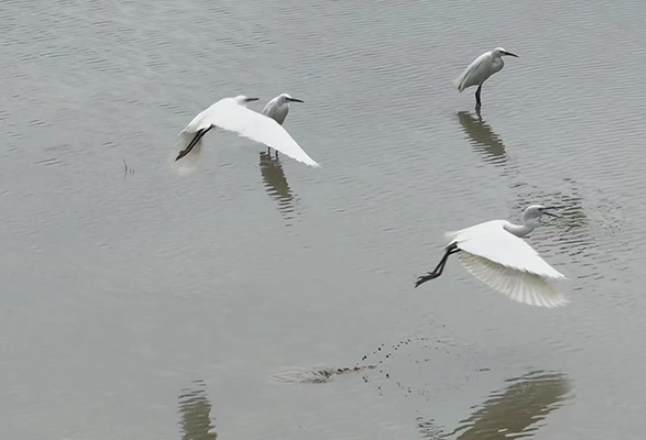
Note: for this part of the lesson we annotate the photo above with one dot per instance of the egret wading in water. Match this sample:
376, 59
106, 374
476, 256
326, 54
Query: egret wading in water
494, 253
277, 110
232, 114
480, 70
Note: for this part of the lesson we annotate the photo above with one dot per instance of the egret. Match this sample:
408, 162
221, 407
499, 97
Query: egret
494, 253
480, 70
232, 114
278, 108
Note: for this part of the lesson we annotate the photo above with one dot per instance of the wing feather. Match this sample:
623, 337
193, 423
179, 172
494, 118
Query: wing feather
230, 116
523, 287
491, 241
474, 72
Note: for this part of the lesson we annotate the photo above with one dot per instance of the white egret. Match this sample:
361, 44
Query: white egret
278, 108
494, 253
232, 114
480, 70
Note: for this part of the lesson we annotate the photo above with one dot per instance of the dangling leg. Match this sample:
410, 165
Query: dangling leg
478, 100
193, 142
440, 267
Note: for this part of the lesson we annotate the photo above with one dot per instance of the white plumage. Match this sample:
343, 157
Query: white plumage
278, 107
491, 240
480, 70
231, 114
520, 286
494, 253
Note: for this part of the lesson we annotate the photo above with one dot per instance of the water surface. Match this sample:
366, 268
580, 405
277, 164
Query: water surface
142, 303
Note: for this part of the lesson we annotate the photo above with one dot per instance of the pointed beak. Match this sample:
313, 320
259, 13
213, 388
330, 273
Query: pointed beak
251, 99
511, 54
295, 100
547, 212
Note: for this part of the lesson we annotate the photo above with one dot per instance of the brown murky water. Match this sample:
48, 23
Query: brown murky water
137, 303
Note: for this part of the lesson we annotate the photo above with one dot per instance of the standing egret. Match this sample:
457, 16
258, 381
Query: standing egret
232, 114
480, 70
278, 108
494, 253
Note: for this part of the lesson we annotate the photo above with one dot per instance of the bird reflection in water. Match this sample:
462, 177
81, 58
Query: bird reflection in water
483, 138
514, 411
276, 184
195, 411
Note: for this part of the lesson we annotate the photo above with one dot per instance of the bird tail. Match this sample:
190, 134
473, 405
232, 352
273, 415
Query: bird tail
457, 83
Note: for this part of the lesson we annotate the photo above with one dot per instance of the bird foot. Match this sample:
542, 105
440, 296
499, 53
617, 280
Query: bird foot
428, 277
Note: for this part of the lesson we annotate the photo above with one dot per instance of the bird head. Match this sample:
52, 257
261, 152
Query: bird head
499, 52
243, 100
284, 97
534, 212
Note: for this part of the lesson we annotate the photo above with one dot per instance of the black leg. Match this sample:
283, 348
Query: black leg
479, 114
478, 100
440, 267
193, 142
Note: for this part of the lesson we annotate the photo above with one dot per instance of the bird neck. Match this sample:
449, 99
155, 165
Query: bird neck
521, 230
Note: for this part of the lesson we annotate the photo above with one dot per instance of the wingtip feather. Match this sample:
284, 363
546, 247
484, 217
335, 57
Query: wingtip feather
310, 163
519, 286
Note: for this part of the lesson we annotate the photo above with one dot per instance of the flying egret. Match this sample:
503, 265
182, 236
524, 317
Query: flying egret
494, 253
278, 108
232, 114
480, 70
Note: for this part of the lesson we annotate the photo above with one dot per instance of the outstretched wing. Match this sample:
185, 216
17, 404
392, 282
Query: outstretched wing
491, 241
524, 287
229, 115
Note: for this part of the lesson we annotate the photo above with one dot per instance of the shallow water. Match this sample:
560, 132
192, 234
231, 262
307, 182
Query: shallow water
138, 303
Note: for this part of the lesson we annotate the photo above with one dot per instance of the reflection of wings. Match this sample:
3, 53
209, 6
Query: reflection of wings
510, 413
481, 135
195, 409
276, 183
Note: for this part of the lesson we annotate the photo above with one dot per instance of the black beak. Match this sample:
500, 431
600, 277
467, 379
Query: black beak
547, 212
295, 100
511, 54
251, 99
